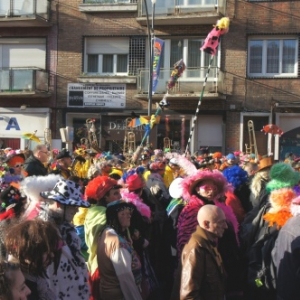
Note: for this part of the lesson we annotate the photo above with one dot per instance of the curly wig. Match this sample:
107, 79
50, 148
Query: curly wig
236, 176
29, 240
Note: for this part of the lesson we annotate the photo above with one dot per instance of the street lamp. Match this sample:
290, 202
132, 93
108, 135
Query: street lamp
151, 55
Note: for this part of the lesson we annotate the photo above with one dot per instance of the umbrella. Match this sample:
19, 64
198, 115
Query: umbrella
138, 121
31, 136
272, 129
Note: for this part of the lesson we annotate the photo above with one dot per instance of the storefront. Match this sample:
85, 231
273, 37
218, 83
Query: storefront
113, 133
15, 123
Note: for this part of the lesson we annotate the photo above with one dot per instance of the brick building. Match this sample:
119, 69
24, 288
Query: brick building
97, 60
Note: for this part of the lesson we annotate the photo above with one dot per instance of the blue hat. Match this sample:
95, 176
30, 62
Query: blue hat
230, 156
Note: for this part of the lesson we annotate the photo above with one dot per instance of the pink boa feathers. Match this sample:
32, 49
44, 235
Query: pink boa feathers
137, 201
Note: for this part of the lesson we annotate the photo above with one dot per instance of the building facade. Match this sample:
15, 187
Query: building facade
96, 56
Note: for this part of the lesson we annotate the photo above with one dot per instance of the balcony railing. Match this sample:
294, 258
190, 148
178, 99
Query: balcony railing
109, 1
180, 7
191, 81
25, 9
23, 80
92, 6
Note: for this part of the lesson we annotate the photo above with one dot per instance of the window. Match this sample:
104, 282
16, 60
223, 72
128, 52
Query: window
22, 52
18, 58
196, 61
107, 56
273, 57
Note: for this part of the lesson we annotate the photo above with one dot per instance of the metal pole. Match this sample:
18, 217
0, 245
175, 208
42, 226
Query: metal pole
198, 107
151, 54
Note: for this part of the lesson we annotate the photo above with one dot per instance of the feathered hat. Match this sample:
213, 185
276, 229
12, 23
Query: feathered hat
282, 175
32, 186
190, 182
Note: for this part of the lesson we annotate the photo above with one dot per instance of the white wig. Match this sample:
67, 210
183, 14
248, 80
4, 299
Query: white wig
33, 185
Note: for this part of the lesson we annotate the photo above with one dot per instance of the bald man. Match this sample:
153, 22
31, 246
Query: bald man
202, 272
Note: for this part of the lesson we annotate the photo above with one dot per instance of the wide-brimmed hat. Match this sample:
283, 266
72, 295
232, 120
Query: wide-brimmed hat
189, 183
66, 192
264, 163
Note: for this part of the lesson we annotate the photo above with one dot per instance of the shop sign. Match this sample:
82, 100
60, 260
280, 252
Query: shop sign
96, 95
15, 125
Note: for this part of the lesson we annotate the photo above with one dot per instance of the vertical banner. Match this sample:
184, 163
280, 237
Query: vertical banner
158, 47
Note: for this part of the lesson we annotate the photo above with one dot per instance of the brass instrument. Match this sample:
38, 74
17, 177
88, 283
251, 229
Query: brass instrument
48, 138
252, 148
129, 145
91, 136
167, 143
130, 142
85, 142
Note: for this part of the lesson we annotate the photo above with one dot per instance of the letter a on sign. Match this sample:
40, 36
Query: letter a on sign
12, 123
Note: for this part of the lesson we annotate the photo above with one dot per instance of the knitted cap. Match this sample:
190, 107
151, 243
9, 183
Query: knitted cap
282, 175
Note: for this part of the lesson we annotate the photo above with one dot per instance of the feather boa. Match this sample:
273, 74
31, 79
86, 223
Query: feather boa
279, 218
186, 165
137, 201
281, 199
230, 217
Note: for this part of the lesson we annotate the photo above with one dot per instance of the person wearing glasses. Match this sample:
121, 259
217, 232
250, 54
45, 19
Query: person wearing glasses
35, 163
12, 170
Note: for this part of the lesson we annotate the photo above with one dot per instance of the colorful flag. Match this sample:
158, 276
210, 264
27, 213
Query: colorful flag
158, 47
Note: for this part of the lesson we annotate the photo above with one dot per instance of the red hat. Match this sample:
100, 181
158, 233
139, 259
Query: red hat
134, 182
99, 186
157, 165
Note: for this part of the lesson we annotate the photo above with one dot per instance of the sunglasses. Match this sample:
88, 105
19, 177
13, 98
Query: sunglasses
18, 166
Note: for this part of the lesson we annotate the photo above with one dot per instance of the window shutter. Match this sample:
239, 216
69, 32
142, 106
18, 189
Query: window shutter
107, 46
30, 53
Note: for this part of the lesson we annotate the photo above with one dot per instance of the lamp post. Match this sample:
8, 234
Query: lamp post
151, 55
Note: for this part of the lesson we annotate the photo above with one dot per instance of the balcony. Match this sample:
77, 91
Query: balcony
183, 12
188, 86
91, 6
24, 82
26, 13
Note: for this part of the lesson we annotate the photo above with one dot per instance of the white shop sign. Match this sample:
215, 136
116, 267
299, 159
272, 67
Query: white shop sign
13, 125
100, 95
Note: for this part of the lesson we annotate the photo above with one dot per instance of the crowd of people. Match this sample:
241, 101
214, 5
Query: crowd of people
91, 225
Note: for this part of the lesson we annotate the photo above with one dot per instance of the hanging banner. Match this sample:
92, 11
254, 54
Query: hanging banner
158, 47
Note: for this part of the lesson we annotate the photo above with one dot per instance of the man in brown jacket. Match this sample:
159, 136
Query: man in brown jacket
202, 273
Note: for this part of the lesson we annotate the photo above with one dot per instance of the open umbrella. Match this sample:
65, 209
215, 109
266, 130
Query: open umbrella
30, 137
272, 129
138, 121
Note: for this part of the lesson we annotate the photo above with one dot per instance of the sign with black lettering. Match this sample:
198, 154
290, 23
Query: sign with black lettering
97, 95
